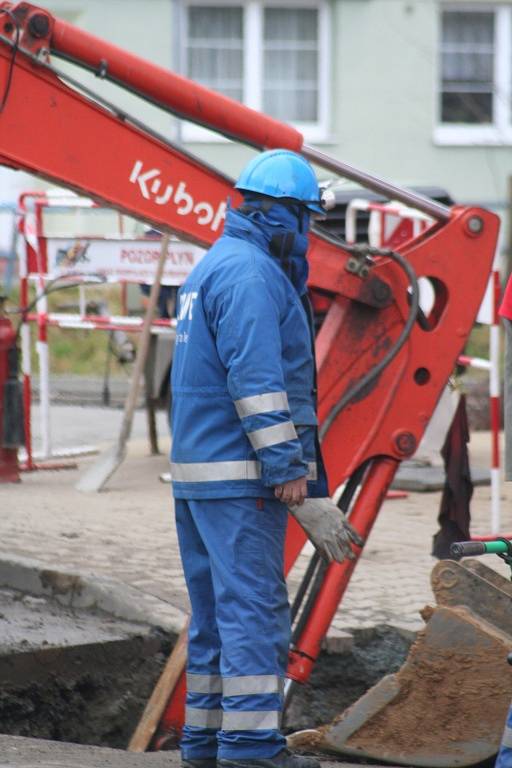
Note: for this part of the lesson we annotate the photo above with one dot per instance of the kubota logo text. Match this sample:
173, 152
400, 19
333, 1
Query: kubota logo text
152, 187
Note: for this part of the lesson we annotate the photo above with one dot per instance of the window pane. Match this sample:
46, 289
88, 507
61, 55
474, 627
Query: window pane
467, 107
291, 63
291, 24
292, 66
215, 23
468, 27
467, 66
212, 64
292, 105
215, 48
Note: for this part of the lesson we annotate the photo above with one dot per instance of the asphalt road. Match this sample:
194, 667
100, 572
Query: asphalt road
76, 425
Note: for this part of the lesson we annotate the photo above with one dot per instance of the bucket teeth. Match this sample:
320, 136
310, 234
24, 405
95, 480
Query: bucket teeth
448, 703
484, 592
495, 578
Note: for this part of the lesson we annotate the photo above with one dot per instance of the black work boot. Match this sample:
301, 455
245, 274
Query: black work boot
283, 759
199, 762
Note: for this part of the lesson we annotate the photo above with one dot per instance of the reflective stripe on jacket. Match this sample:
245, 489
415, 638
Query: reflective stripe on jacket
243, 406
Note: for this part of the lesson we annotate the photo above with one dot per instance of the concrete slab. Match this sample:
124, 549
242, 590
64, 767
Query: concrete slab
85, 590
28, 623
17, 752
423, 478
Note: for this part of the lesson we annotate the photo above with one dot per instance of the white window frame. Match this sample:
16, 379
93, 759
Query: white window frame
316, 132
500, 132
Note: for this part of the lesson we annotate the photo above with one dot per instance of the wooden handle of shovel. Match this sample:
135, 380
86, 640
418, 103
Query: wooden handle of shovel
155, 707
143, 345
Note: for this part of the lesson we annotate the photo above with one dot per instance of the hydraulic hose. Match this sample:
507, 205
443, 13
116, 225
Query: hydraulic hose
317, 568
314, 577
303, 586
366, 380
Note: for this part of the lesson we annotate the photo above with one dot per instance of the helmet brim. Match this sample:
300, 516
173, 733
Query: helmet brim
315, 207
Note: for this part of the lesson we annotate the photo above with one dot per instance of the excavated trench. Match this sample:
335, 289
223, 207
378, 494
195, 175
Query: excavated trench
74, 675
84, 677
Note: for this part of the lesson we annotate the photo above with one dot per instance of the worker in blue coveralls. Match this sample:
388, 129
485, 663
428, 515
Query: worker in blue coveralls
504, 759
245, 452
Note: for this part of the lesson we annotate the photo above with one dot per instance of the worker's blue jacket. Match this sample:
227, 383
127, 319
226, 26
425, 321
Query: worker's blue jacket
243, 382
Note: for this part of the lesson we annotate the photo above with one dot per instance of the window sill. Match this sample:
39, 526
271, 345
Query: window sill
470, 136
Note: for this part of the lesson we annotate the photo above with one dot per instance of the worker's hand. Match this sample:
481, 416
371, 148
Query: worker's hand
327, 528
293, 492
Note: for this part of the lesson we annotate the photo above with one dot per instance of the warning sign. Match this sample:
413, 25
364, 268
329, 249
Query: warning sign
121, 260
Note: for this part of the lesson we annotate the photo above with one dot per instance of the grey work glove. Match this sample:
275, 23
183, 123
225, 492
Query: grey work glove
327, 528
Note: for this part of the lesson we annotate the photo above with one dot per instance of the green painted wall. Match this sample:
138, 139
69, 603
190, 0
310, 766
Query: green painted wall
385, 103
383, 88
143, 28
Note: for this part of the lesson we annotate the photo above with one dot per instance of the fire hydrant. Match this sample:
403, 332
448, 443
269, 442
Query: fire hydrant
9, 443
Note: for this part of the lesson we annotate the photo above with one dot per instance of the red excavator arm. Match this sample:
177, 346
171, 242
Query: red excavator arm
382, 364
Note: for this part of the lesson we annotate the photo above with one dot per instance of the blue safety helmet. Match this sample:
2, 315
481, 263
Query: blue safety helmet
282, 174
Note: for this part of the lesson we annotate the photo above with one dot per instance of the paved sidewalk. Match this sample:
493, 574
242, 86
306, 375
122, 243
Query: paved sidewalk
17, 752
127, 531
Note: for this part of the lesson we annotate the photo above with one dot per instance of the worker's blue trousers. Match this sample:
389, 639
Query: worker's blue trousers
232, 552
504, 759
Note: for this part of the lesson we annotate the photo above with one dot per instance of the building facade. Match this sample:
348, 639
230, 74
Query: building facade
416, 91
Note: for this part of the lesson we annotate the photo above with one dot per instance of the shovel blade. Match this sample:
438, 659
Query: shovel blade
96, 476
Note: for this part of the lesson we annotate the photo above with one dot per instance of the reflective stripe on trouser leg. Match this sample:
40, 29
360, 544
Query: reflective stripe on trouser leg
245, 546
197, 683
247, 685
200, 717
203, 714
257, 720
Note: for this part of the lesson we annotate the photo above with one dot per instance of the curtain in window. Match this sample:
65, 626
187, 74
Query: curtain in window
467, 63
215, 48
290, 63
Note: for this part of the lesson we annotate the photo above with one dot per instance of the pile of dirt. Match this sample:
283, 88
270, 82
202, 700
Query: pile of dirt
447, 693
338, 680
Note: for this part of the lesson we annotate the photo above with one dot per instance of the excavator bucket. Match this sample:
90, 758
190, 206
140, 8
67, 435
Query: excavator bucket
448, 704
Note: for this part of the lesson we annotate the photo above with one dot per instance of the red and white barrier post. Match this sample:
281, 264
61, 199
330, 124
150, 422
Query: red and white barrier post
49, 254
495, 409
488, 314
25, 353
